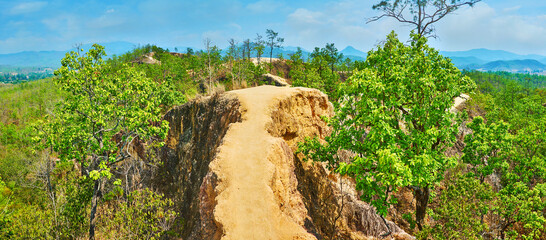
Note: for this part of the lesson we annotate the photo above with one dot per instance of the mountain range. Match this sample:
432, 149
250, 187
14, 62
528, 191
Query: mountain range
52, 59
476, 59
496, 60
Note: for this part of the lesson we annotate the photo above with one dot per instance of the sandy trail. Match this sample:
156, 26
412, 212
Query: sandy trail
246, 205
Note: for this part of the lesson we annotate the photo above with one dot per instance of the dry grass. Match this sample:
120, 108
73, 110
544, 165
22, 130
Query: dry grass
217, 88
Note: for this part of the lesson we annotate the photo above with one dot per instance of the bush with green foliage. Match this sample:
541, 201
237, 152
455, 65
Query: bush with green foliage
5, 220
459, 210
143, 215
519, 160
103, 112
394, 116
319, 72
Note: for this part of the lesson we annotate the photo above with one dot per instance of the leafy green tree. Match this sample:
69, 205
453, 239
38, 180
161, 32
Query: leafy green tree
486, 147
315, 73
460, 208
144, 215
395, 117
318, 60
103, 112
520, 162
297, 68
333, 57
422, 13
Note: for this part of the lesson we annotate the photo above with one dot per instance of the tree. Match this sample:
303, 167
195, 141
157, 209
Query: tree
259, 46
394, 116
103, 112
246, 49
422, 13
320, 61
460, 208
212, 58
332, 55
520, 162
233, 52
273, 41
297, 68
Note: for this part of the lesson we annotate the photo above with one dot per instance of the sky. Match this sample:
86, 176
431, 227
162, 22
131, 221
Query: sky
516, 26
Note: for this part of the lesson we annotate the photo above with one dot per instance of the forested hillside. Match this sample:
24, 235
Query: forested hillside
59, 175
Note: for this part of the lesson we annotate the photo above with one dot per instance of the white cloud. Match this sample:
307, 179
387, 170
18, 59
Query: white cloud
264, 6
511, 9
67, 26
27, 7
217, 37
305, 17
236, 26
340, 22
344, 23
26, 42
484, 27
106, 21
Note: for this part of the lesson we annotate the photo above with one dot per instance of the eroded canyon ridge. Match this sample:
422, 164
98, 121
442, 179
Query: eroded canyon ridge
229, 164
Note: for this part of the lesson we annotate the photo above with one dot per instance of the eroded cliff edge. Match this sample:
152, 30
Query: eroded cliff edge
230, 167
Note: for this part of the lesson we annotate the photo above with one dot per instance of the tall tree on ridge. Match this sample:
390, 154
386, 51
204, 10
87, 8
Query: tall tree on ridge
259, 46
273, 41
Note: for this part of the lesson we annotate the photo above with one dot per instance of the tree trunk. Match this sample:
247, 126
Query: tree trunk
94, 203
422, 196
270, 58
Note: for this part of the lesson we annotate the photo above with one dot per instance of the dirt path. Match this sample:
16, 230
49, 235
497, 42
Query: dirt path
246, 203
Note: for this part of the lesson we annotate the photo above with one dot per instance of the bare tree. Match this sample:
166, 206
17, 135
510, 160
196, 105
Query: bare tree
233, 50
420, 13
246, 49
259, 46
233, 57
273, 41
208, 46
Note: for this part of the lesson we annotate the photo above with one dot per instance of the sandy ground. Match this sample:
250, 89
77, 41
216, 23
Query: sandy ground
263, 60
246, 203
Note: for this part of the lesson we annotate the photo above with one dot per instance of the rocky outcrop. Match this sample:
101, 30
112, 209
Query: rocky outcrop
275, 80
334, 208
459, 103
230, 167
196, 131
147, 58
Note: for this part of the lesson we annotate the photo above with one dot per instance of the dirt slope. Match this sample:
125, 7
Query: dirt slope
246, 205
230, 167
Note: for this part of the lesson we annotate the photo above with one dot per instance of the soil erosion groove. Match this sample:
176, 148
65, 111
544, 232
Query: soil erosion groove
246, 206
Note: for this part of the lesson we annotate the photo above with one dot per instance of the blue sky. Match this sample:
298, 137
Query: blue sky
517, 26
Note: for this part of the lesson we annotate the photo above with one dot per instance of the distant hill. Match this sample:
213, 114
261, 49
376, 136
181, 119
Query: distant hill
490, 55
475, 59
496, 60
466, 61
527, 65
52, 59
351, 51
30, 59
